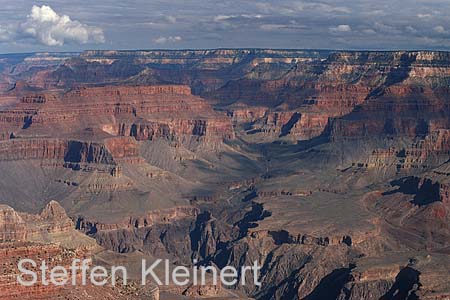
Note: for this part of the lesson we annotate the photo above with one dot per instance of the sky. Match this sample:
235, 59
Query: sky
76, 25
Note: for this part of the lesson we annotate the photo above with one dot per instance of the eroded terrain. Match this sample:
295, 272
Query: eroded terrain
328, 168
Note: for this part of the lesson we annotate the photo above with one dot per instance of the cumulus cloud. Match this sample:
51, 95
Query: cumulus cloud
341, 28
46, 27
51, 29
169, 39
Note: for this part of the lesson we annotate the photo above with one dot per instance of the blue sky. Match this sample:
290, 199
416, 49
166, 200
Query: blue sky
146, 24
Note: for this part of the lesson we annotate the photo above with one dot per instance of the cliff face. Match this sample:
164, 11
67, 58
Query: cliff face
367, 93
169, 110
110, 152
316, 85
101, 128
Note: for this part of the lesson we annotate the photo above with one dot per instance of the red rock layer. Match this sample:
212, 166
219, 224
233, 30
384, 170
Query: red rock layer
297, 124
110, 151
170, 128
114, 107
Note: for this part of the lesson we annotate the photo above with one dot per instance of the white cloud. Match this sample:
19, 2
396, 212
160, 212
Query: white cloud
171, 19
46, 27
424, 16
225, 18
51, 29
369, 31
411, 29
341, 28
280, 27
221, 18
440, 29
170, 39
247, 16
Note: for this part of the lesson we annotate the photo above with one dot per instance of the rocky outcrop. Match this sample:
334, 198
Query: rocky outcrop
296, 125
51, 225
12, 226
136, 222
52, 220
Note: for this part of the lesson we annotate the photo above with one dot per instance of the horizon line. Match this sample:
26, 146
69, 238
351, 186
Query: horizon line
228, 48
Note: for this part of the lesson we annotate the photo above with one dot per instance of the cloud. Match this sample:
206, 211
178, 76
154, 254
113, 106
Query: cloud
385, 28
323, 7
411, 29
51, 29
7, 34
424, 16
295, 7
440, 29
341, 28
247, 16
221, 18
170, 39
227, 23
281, 27
368, 31
171, 19
374, 13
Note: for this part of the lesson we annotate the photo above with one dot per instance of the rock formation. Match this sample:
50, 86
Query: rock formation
329, 168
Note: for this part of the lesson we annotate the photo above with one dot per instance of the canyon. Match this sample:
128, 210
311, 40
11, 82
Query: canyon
329, 168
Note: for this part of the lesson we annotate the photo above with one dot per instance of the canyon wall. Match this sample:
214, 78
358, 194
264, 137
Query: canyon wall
332, 171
